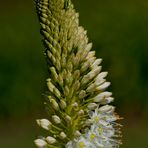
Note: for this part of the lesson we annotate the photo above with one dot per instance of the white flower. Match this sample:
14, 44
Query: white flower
95, 117
101, 131
81, 142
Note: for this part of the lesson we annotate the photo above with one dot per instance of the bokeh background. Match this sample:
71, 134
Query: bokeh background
119, 32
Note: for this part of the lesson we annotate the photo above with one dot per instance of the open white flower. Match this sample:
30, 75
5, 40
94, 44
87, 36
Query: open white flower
102, 130
80, 142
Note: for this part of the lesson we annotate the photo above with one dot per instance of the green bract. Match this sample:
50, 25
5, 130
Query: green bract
76, 99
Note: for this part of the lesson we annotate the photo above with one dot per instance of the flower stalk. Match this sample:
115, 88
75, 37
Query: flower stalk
76, 99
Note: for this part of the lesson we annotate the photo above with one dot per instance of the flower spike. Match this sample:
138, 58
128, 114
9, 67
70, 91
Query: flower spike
77, 101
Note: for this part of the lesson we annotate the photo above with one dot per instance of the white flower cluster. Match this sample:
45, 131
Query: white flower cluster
102, 132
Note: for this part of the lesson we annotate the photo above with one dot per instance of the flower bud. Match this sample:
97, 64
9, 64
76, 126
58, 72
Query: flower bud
50, 140
54, 73
100, 97
103, 86
77, 85
84, 67
75, 105
68, 119
76, 74
40, 143
62, 135
54, 104
91, 88
77, 133
106, 108
107, 100
66, 90
57, 92
62, 104
50, 85
82, 94
92, 106
96, 63
81, 112
56, 119
44, 123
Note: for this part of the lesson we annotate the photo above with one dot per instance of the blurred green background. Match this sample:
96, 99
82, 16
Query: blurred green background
119, 32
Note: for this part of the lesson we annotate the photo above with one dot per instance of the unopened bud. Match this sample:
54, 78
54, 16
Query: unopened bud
100, 97
60, 80
76, 74
57, 92
68, 119
75, 105
50, 85
50, 140
54, 104
62, 135
81, 112
77, 85
82, 94
62, 104
44, 123
91, 88
77, 133
107, 100
40, 143
92, 106
66, 90
96, 63
56, 119
103, 86
106, 108
54, 73
85, 66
